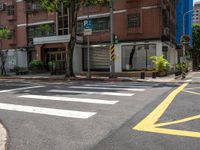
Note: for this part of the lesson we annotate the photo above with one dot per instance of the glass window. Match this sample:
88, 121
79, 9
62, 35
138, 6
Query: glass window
101, 24
11, 10
136, 57
63, 26
134, 20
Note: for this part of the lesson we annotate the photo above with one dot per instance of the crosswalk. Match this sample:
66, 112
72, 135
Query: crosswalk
111, 95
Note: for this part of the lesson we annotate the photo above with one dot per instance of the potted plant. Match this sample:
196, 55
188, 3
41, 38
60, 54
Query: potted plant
154, 73
142, 74
36, 66
161, 65
52, 67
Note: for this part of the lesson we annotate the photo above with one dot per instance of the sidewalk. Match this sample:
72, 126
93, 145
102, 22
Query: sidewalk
48, 77
3, 138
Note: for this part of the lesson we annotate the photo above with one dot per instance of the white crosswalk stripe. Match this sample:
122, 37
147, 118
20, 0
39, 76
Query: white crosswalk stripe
91, 93
47, 111
18, 89
87, 89
111, 85
69, 99
106, 88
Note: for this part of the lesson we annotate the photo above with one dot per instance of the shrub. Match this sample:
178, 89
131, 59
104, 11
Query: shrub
16, 68
161, 64
182, 67
36, 65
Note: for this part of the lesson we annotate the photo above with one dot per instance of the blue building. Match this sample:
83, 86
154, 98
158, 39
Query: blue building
183, 6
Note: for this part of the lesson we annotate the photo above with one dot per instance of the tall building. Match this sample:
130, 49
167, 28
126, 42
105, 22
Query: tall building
196, 14
182, 7
142, 28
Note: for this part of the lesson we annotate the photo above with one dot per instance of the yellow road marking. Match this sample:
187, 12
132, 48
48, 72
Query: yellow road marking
149, 123
191, 92
175, 132
178, 121
153, 117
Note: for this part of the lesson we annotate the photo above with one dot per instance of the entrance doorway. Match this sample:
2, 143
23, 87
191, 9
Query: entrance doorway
56, 56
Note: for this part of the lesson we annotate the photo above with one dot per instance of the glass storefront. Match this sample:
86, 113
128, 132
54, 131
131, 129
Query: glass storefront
137, 57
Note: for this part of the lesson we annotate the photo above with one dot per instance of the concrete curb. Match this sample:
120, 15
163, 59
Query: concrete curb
3, 138
176, 79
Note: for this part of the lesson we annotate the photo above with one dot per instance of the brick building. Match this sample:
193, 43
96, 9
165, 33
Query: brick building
142, 28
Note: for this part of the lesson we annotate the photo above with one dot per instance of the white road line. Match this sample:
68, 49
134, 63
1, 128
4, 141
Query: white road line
69, 99
106, 88
47, 111
111, 85
91, 93
18, 89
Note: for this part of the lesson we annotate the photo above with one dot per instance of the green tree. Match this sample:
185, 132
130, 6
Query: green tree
196, 45
73, 6
46, 29
4, 34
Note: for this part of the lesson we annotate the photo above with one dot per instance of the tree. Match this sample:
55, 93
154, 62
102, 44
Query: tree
196, 46
73, 6
4, 34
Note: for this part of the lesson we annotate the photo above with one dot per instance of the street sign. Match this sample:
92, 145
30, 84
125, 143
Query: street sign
112, 50
88, 27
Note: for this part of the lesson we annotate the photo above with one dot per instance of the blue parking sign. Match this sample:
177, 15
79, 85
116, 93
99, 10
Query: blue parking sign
88, 24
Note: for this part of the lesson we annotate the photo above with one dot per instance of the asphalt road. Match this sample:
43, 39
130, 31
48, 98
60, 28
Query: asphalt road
180, 131
91, 115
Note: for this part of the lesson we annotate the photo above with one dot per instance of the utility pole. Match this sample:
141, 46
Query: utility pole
112, 72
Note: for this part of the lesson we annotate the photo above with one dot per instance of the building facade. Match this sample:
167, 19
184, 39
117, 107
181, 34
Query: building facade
196, 14
183, 7
142, 28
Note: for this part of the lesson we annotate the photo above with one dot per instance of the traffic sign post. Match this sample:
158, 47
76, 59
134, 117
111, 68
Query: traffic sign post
112, 71
88, 32
112, 52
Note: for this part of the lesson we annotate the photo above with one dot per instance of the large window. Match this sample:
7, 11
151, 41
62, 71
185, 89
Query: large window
39, 31
12, 34
101, 24
11, 10
136, 57
63, 22
134, 20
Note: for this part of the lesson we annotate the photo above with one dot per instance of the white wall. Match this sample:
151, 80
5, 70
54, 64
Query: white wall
16, 57
22, 58
159, 48
118, 61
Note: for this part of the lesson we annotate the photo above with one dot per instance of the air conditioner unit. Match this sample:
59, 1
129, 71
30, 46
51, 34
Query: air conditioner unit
2, 6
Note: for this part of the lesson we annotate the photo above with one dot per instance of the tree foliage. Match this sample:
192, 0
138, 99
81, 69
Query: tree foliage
53, 5
4, 34
196, 46
196, 37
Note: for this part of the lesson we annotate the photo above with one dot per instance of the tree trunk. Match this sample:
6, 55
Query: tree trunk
3, 56
131, 57
73, 12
